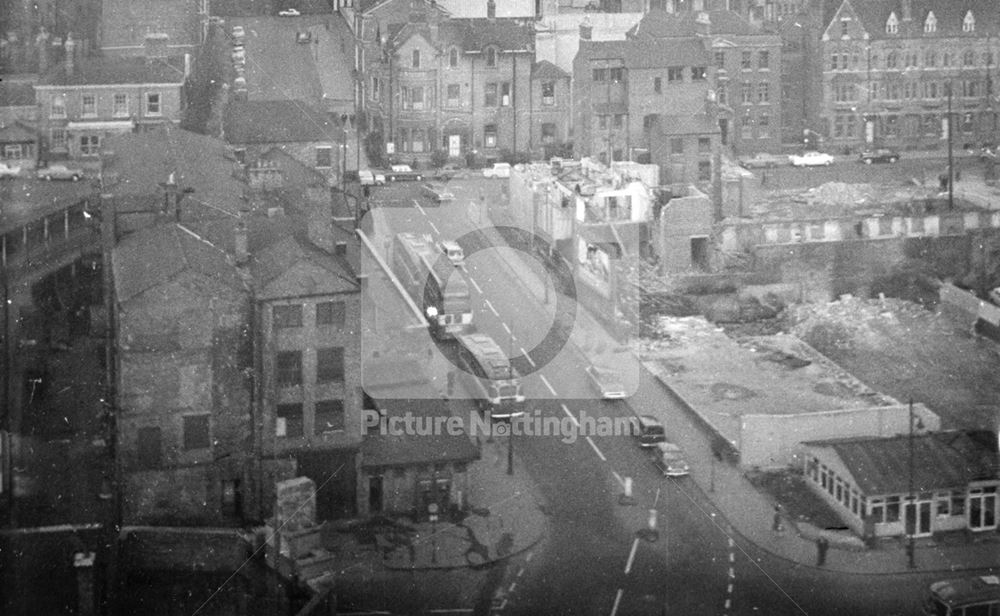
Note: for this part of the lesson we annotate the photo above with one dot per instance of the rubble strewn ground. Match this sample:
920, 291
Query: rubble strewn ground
840, 199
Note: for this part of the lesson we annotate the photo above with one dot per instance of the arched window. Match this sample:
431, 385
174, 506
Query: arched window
969, 22
491, 57
968, 58
892, 24
930, 24
930, 59
890, 60
453, 58
416, 58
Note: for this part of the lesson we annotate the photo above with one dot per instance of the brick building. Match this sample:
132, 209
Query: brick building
895, 69
551, 113
125, 24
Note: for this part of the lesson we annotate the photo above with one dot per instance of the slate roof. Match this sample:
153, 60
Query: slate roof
649, 53
274, 261
470, 35
661, 24
949, 14
155, 255
942, 460
16, 94
277, 121
16, 132
546, 70
109, 70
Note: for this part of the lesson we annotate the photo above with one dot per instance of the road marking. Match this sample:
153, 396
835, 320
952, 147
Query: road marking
547, 384
619, 478
521, 572
729, 603
529, 557
729, 589
732, 574
731, 544
417, 205
618, 599
570, 415
492, 309
475, 284
596, 450
506, 327
433, 226
732, 557
513, 585
528, 357
631, 555
657, 499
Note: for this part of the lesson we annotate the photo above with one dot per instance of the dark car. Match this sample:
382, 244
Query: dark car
879, 155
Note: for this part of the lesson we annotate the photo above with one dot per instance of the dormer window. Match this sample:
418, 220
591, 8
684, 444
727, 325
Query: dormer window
416, 58
491, 57
969, 23
930, 24
453, 58
892, 24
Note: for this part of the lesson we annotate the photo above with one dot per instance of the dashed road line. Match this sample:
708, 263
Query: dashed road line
513, 585
619, 479
475, 284
573, 419
547, 384
520, 572
732, 574
596, 450
433, 226
492, 309
631, 555
618, 599
507, 327
528, 558
417, 205
528, 357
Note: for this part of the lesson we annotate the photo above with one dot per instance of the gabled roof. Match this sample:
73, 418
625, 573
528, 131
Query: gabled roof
296, 263
547, 70
108, 70
16, 94
941, 460
156, 255
469, 35
649, 53
277, 121
16, 132
662, 24
949, 13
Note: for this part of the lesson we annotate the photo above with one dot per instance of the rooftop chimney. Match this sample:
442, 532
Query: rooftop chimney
156, 45
242, 242
70, 47
907, 11
586, 29
703, 24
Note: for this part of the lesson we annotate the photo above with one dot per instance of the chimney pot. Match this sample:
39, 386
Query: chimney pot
586, 29
70, 47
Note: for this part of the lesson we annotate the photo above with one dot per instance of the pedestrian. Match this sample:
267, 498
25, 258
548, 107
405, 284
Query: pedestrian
943, 180
958, 174
777, 525
822, 545
763, 178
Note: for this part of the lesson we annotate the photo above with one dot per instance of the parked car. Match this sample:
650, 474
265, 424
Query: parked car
649, 431
403, 173
60, 171
879, 155
238, 34
670, 459
289, 13
987, 153
811, 159
367, 177
606, 382
437, 193
762, 160
8, 170
498, 170
454, 252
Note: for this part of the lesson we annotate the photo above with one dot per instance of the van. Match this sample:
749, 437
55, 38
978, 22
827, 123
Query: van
649, 431
454, 252
437, 193
367, 177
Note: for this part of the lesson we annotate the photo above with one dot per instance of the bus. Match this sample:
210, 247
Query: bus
433, 283
488, 376
969, 596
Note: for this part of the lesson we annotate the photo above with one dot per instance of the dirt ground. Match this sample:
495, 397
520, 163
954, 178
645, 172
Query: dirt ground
908, 352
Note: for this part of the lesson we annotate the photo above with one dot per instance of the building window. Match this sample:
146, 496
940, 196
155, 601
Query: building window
153, 104
675, 73
930, 59
490, 136
946, 59
676, 145
844, 25
969, 22
746, 89
764, 60
602, 121
376, 88
746, 128
330, 313
89, 105
619, 120
720, 60
722, 95
324, 157
415, 58
505, 94
120, 108
704, 170
969, 58
57, 107
288, 420
490, 99
890, 60
329, 416
699, 73
930, 24
454, 92
90, 145
149, 450
599, 74
892, 24
746, 60
548, 93
196, 432
704, 144
763, 92
548, 133
616, 74
658, 85
958, 503
13, 151
57, 137
892, 509
289, 368
417, 97
287, 315
453, 58
491, 57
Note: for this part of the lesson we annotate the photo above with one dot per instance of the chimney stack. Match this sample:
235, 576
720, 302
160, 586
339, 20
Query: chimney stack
586, 29
42, 42
907, 10
156, 45
70, 47
703, 24
242, 243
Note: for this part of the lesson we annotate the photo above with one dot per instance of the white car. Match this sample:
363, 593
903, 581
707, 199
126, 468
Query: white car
607, 382
59, 171
811, 159
289, 13
403, 173
367, 177
8, 170
454, 252
498, 170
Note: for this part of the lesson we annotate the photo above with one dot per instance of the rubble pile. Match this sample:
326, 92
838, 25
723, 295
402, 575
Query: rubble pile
676, 332
840, 194
851, 321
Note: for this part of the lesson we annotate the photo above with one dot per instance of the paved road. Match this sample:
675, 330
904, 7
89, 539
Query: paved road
593, 563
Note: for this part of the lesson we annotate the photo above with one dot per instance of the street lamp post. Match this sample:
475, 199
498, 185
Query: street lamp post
912, 509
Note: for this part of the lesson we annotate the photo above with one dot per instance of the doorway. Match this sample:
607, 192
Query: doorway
917, 518
454, 146
983, 508
699, 252
375, 494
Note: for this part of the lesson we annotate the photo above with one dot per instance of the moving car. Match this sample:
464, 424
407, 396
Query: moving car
289, 13
367, 177
498, 170
59, 171
8, 170
403, 173
762, 160
670, 459
607, 382
649, 431
454, 252
879, 155
437, 193
811, 159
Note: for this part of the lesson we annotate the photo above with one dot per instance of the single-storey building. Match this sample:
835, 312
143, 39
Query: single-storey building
903, 485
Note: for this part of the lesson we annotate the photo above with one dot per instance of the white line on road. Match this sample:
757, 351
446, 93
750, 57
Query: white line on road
547, 384
618, 599
513, 585
732, 574
433, 226
729, 589
417, 205
731, 544
506, 327
631, 555
729, 604
657, 499
521, 572
732, 557
596, 450
492, 309
528, 357
570, 415
619, 478
529, 557
475, 284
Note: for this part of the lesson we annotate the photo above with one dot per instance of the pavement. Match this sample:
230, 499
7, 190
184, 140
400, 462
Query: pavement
745, 512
